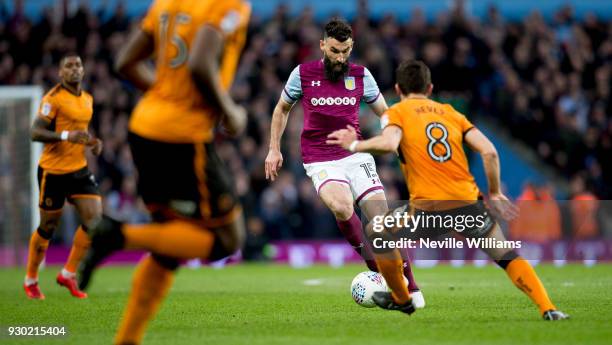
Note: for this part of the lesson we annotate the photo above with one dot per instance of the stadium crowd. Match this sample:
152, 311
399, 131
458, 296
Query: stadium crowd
547, 82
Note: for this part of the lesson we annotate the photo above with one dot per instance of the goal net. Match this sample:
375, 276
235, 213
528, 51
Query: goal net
18, 162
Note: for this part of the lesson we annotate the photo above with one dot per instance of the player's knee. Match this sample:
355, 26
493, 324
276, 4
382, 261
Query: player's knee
92, 221
504, 260
45, 233
48, 227
342, 209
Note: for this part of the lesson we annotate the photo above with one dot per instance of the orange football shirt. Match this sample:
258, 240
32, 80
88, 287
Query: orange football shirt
66, 112
173, 110
434, 164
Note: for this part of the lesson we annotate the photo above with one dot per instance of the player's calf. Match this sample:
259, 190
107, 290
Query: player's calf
39, 242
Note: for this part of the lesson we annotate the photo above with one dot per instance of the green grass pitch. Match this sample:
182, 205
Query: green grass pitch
270, 304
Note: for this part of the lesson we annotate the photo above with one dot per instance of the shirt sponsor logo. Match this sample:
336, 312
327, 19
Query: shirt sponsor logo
333, 101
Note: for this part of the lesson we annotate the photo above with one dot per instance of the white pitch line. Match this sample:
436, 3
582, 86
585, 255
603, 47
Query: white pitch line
313, 282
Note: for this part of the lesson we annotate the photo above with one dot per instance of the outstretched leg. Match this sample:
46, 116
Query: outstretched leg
523, 276
181, 239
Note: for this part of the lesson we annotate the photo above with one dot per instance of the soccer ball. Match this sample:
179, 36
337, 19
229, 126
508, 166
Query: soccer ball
364, 285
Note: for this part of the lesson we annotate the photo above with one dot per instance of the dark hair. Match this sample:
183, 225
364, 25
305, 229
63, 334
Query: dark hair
413, 76
338, 29
67, 55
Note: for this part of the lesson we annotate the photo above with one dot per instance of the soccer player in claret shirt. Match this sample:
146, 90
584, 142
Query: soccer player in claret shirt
188, 190
331, 90
429, 138
62, 125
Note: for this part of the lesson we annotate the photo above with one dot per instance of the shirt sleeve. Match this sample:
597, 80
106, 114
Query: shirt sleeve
149, 21
48, 108
370, 88
227, 16
293, 88
391, 117
464, 124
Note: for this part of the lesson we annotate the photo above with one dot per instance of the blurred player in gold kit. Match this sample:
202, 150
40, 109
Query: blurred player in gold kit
196, 45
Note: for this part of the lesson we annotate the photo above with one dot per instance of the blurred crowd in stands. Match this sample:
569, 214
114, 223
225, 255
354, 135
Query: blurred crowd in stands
546, 82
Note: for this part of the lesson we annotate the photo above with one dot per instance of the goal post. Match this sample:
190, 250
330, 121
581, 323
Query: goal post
18, 170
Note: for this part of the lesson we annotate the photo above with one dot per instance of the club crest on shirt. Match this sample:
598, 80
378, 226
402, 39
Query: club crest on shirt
349, 83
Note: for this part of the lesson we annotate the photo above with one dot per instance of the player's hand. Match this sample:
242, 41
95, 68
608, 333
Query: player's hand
79, 137
234, 120
342, 137
502, 206
96, 146
274, 161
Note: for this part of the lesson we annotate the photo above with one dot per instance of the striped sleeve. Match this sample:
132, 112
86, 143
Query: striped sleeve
370, 88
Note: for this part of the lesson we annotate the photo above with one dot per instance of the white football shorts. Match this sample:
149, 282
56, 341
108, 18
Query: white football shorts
358, 171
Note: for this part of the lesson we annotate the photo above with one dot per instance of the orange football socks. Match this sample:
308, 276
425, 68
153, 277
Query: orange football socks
525, 278
80, 244
392, 271
36, 254
151, 283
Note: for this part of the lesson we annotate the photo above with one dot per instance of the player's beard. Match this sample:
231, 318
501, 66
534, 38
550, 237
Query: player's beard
332, 72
